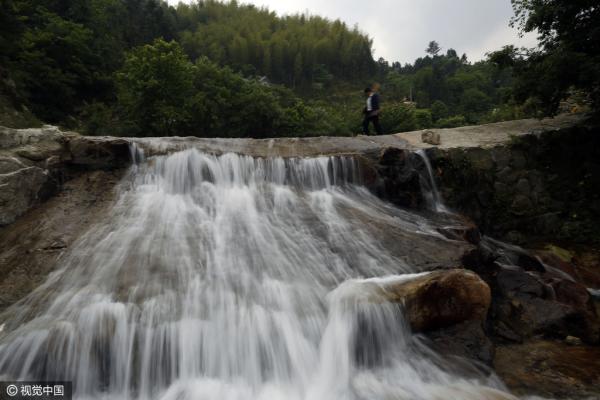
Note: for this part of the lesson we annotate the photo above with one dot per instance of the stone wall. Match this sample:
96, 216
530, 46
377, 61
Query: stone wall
535, 187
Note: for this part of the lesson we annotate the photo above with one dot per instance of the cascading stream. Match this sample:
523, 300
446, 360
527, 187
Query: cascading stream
232, 277
432, 194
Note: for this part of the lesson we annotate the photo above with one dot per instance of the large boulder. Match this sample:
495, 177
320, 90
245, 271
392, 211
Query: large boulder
449, 308
35, 163
441, 299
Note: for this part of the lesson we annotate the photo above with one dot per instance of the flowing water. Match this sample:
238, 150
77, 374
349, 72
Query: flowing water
429, 187
230, 277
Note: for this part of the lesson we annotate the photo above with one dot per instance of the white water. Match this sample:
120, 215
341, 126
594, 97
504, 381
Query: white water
233, 278
430, 189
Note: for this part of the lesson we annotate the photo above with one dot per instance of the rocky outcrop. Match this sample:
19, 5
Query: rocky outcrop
399, 180
28, 160
35, 163
531, 298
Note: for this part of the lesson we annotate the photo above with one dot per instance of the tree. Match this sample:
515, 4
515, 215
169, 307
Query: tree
297, 68
474, 102
154, 87
451, 53
439, 110
55, 66
433, 48
569, 35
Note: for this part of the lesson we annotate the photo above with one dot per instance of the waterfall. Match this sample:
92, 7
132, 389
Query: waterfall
231, 277
429, 187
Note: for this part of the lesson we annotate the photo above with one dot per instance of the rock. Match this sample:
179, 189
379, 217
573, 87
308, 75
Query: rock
523, 188
573, 341
441, 299
30, 247
11, 138
466, 340
431, 137
521, 205
551, 369
507, 175
400, 179
524, 305
10, 164
466, 231
21, 189
392, 156
480, 159
39, 151
518, 160
502, 190
501, 156
96, 153
448, 308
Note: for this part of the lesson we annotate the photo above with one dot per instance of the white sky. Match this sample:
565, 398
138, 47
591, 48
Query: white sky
401, 29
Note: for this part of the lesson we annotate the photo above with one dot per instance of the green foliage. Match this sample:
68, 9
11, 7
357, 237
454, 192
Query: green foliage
439, 110
161, 92
155, 86
55, 66
449, 85
451, 122
398, 118
569, 34
474, 102
423, 118
100, 119
296, 50
142, 67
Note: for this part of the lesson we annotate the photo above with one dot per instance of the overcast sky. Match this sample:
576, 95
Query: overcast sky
401, 29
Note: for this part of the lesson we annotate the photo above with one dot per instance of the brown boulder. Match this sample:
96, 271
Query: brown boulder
441, 298
431, 137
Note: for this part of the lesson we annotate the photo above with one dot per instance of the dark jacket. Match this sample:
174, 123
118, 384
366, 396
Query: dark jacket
375, 101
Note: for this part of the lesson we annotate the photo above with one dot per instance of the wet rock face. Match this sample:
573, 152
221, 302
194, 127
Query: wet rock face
399, 182
467, 340
31, 246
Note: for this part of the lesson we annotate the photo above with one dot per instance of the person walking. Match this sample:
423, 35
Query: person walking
372, 109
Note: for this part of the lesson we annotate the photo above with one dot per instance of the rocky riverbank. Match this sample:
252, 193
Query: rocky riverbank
534, 183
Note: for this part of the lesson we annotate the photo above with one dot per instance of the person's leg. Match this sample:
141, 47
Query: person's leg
366, 125
377, 125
